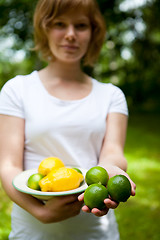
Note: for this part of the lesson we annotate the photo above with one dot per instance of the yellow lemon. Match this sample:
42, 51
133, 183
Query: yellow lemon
61, 179
48, 164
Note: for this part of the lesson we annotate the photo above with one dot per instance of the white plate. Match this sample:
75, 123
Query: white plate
20, 183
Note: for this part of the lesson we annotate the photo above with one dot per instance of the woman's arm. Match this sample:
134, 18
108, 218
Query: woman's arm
112, 155
113, 145
11, 164
11, 158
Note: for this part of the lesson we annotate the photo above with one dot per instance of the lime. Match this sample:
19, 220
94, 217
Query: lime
78, 170
97, 175
33, 181
119, 188
94, 196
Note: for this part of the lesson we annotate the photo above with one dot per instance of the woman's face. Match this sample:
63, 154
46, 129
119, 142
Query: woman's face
69, 37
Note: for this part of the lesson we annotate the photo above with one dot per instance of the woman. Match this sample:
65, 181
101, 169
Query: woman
60, 111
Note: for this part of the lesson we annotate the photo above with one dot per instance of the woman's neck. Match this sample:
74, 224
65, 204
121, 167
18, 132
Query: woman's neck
65, 72
66, 82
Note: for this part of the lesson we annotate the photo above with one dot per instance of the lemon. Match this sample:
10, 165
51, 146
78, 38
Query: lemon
48, 164
33, 181
61, 179
94, 196
119, 188
97, 175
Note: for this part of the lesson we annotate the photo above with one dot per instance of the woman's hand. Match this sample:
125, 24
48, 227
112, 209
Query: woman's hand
60, 208
112, 171
108, 202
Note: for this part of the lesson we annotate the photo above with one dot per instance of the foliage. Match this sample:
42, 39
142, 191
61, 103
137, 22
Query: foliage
130, 58
16, 19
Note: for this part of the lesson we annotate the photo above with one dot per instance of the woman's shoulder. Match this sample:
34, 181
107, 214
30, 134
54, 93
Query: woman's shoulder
106, 87
19, 83
108, 93
19, 79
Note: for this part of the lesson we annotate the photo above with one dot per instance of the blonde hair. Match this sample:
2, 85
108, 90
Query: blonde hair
47, 10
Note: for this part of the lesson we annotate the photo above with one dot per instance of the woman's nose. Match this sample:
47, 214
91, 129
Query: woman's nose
70, 33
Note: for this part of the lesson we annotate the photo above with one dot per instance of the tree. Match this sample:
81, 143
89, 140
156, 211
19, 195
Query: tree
130, 57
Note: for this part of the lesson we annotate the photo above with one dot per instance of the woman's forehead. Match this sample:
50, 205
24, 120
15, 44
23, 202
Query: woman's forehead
73, 10
73, 15
65, 5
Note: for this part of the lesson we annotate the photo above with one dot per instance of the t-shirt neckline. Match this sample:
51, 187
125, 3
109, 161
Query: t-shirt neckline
61, 101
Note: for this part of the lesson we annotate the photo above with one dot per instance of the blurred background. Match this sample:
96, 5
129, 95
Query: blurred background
130, 59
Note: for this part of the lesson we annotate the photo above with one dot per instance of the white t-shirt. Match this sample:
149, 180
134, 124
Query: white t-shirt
71, 130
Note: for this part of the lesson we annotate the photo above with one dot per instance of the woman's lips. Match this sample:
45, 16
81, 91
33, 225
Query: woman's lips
70, 47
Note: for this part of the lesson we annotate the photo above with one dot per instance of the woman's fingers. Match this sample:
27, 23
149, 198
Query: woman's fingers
110, 204
99, 213
86, 209
81, 197
133, 188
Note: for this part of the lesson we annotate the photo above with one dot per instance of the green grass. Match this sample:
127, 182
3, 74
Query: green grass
139, 217
5, 219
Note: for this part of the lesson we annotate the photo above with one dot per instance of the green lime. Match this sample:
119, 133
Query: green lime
94, 196
97, 175
33, 181
78, 170
119, 188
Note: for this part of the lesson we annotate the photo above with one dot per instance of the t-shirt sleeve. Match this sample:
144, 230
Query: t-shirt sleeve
118, 102
11, 98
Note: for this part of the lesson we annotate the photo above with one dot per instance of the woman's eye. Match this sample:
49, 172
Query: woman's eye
82, 26
59, 24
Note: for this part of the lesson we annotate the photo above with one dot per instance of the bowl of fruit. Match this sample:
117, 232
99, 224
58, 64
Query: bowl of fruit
51, 178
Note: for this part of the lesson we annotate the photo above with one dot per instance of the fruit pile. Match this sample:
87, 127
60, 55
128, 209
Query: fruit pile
100, 187
53, 176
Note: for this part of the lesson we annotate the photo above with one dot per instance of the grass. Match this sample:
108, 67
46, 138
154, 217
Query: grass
5, 210
139, 217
